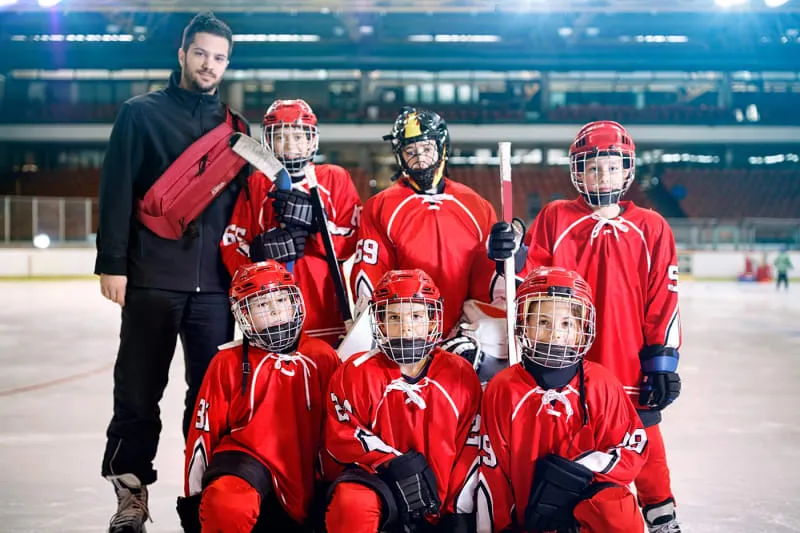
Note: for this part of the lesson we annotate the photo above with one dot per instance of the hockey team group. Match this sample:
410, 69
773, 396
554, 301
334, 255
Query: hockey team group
429, 428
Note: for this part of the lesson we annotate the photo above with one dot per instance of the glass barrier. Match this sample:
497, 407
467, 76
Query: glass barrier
73, 221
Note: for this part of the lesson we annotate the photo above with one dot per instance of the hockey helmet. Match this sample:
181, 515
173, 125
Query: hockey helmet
289, 130
555, 317
267, 305
406, 313
602, 162
424, 169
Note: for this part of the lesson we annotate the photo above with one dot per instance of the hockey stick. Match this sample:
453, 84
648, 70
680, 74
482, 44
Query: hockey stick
330, 252
254, 153
509, 271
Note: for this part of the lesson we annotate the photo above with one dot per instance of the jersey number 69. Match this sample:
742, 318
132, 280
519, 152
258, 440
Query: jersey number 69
367, 251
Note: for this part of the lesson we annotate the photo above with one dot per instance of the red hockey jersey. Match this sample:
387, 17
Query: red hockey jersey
278, 421
252, 217
376, 414
522, 422
632, 266
443, 234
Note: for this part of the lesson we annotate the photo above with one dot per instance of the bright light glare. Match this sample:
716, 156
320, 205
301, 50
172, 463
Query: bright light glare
49, 3
730, 3
774, 3
41, 241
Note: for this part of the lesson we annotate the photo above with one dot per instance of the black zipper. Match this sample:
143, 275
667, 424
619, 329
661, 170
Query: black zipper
199, 250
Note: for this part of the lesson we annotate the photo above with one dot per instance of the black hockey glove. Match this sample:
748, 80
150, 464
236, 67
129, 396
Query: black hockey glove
558, 486
294, 208
503, 240
279, 244
661, 384
413, 484
189, 513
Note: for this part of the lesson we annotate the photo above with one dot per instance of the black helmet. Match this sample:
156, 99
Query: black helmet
414, 125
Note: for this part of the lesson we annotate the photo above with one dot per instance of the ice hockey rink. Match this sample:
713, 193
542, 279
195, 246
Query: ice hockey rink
732, 437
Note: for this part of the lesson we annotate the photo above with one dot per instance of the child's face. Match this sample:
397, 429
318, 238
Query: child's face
271, 309
292, 142
552, 321
406, 320
421, 154
604, 173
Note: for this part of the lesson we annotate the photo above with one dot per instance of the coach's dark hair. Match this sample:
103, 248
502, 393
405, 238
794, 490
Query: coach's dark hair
206, 23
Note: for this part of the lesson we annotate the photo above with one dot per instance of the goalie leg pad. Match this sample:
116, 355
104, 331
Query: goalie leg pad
558, 485
230, 503
340, 508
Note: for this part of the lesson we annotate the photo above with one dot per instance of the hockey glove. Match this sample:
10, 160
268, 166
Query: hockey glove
293, 208
558, 486
505, 240
413, 485
189, 513
279, 244
661, 384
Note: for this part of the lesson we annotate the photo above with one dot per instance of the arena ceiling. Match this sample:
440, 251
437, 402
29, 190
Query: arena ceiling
400, 6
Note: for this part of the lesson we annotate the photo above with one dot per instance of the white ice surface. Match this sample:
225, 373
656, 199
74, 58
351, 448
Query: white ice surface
733, 438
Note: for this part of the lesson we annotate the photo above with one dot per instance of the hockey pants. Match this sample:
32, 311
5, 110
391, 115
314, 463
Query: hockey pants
356, 508
653, 483
152, 321
611, 510
229, 505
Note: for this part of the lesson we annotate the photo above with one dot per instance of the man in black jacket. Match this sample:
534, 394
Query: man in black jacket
166, 288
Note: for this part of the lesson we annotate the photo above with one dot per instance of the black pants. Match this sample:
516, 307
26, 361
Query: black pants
152, 321
783, 277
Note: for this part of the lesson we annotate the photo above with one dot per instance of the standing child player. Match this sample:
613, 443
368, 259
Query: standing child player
253, 449
272, 224
627, 255
399, 417
561, 440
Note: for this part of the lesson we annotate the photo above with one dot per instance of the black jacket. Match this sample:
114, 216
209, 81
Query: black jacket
150, 132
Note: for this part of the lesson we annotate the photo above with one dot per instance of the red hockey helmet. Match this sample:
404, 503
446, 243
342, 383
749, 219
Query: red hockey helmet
290, 132
602, 162
267, 305
555, 323
406, 310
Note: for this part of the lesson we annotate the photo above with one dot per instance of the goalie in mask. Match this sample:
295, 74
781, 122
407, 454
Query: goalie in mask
399, 418
561, 441
426, 220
